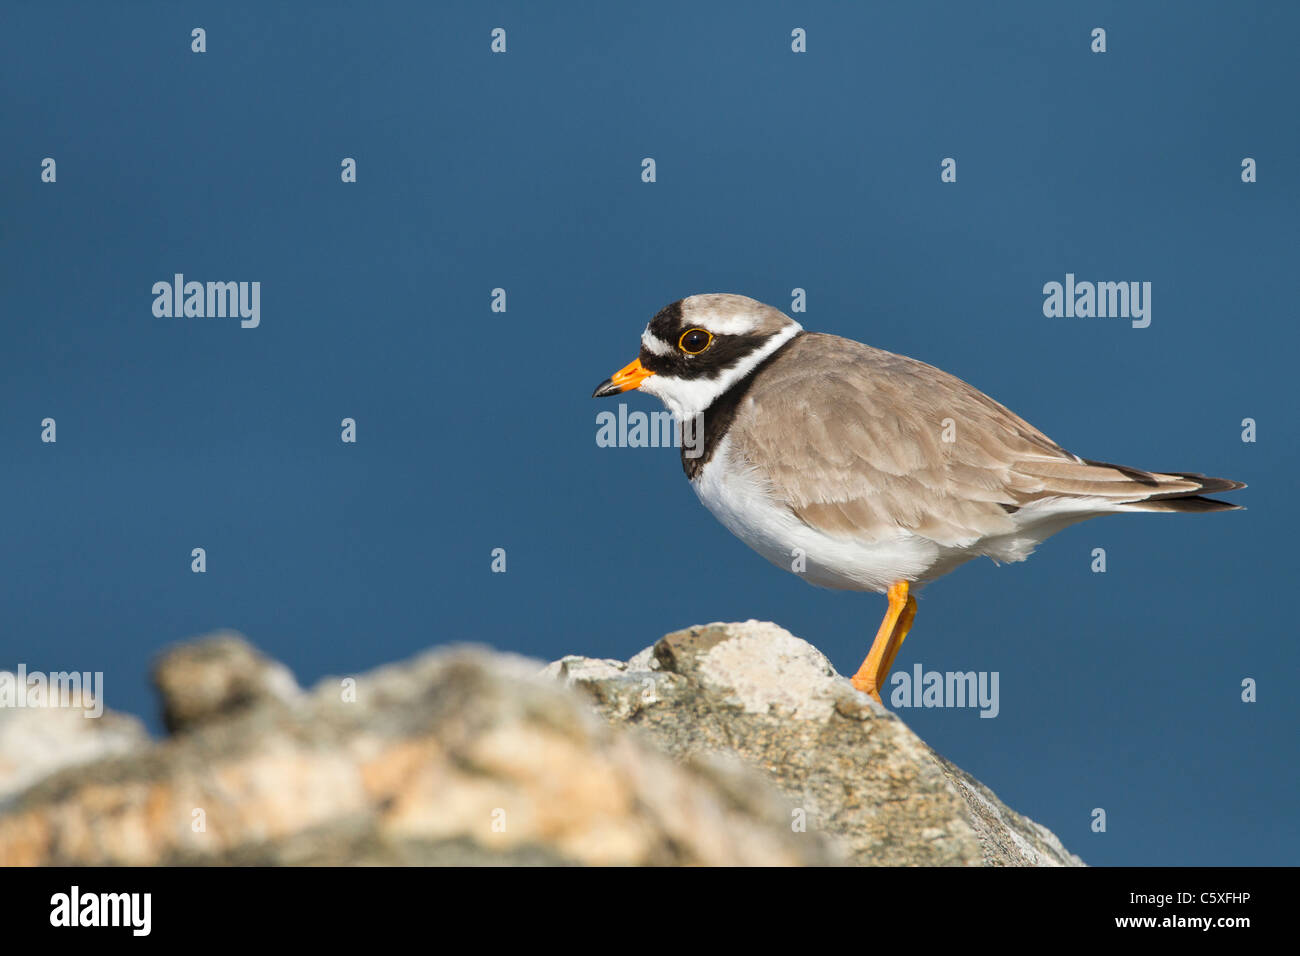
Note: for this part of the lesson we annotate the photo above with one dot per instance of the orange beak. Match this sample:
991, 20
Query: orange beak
628, 377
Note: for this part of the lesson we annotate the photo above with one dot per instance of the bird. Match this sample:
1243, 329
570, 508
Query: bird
864, 470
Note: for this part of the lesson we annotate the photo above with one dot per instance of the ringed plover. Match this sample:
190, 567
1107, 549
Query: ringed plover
882, 472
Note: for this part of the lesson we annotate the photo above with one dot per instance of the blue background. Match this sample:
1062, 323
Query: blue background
476, 430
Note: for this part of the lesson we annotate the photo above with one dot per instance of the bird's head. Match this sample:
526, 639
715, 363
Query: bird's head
697, 348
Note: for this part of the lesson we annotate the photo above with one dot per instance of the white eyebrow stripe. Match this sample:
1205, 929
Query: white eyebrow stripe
722, 324
654, 344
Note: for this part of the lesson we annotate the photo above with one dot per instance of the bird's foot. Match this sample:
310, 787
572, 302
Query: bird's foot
867, 686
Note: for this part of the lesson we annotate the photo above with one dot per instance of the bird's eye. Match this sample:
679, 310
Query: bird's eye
694, 341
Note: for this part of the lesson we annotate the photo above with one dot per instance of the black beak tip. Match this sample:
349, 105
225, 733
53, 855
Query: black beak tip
605, 389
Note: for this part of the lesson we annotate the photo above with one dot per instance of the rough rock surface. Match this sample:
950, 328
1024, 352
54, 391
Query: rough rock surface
460, 756
34, 743
722, 745
217, 677
855, 769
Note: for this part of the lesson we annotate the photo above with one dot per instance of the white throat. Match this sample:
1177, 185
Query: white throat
686, 398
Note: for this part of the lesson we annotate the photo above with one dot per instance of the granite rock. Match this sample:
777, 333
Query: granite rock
861, 776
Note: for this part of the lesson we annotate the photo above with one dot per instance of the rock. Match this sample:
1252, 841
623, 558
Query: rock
460, 756
757, 692
35, 742
216, 677
731, 744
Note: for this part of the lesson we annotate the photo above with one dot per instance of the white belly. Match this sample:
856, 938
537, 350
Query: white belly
740, 499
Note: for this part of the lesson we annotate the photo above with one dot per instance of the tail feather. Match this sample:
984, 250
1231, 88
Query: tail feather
1183, 499
1189, 504
1212, 485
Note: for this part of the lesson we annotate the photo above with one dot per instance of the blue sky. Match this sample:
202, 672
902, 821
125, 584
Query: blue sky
476, 429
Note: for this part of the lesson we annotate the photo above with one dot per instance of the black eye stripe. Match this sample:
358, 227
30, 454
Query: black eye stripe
723, 352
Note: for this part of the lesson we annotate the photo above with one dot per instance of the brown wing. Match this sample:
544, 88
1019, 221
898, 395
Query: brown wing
861, 442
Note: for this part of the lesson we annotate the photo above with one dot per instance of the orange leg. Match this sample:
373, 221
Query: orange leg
873, 673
